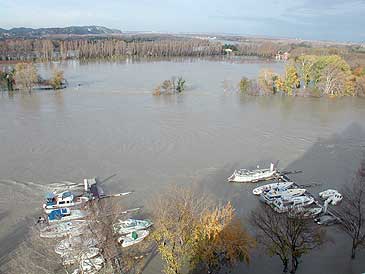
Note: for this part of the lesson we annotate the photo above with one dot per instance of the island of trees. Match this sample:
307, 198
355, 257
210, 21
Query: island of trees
24, 76
309, 75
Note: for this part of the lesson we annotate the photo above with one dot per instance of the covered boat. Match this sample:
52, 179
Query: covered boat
65, 214
250, 176
273, 186
270, 196
133, 237
130, 225
92, 265
293, 192
284, 205
74, 256
73, 228
62, 200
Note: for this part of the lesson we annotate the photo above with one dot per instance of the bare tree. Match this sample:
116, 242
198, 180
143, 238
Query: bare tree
332, 81
351, 211
286, 237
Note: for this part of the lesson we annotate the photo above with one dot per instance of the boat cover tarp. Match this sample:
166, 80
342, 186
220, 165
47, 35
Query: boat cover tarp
55, 215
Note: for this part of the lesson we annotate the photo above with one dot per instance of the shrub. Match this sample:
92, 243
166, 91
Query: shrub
57, 79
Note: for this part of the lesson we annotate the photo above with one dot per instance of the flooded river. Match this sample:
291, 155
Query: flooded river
108, 123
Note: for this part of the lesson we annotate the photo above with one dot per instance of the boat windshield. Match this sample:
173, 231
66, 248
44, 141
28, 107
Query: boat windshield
66, 194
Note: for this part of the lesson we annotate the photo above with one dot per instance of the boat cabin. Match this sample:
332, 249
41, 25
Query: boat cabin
63, 199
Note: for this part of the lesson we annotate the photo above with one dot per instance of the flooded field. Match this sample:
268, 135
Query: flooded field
108, 123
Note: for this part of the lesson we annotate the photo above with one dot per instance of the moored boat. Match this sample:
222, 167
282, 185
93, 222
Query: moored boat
327, 193
292, 192
72, 228
270, 196
133, 238
92, 265
255, 175
74, 243
62, 200
305, 213
65, 214
74, 256
281, 205
130, 225
274, 186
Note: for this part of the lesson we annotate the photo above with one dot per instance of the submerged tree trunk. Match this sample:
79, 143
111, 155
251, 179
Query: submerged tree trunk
285, 264
294, 264
353, 251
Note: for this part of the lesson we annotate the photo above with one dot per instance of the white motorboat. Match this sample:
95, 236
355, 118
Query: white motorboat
74, 243
256, 175
293, 192
130, 225
274, 186
270, 196
334, 199
133, 237
65, 214
72, 228
62, 200
281, 205
331, 196
327, 193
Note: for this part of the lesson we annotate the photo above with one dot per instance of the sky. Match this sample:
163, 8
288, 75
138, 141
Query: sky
305, 19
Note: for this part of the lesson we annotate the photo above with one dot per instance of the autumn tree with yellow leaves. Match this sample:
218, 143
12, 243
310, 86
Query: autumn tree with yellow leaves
221, 240
191, 233
26, 76
289, 82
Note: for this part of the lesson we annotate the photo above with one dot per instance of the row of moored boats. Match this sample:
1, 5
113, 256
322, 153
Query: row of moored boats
284, 196
67, 222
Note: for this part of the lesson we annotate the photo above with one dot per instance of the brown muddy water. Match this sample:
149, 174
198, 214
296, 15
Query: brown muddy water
108, 123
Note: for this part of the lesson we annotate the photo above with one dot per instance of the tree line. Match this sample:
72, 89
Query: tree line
33, 49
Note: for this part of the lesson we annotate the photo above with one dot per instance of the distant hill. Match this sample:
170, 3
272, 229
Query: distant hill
73, 30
